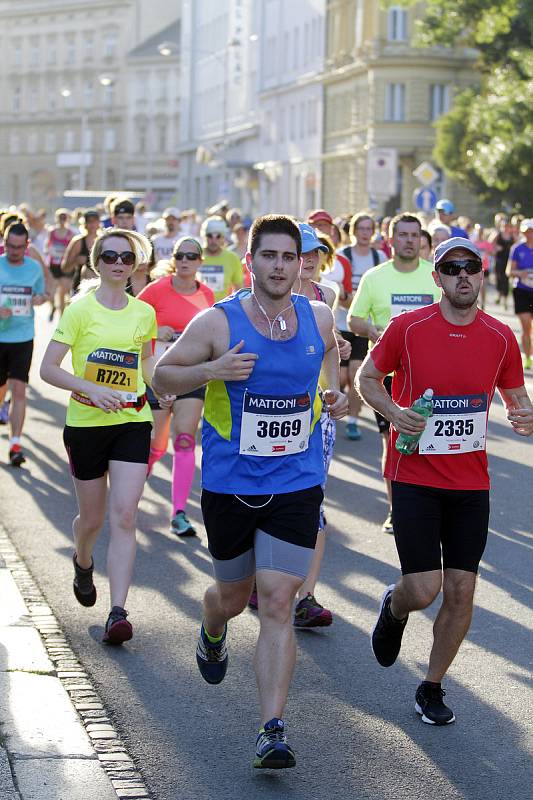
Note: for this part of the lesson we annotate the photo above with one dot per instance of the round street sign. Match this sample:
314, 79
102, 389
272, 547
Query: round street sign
425, 199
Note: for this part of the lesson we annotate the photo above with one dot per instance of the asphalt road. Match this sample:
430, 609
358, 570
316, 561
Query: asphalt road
351, 722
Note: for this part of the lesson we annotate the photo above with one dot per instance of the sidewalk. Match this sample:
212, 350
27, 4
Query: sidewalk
48, 749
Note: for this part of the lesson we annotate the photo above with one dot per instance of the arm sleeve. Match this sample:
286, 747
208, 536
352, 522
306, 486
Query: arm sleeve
387, 352
511, 373
68, 326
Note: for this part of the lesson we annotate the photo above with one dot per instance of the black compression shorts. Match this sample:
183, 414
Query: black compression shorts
439, 528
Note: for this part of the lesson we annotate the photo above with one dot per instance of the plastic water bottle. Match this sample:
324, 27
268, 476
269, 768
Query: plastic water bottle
405, 443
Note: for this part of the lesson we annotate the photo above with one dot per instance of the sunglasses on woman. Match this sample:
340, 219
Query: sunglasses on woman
111, 257
454, 268
188, 256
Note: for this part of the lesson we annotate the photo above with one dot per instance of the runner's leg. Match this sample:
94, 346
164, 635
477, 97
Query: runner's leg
88, 523
17, 412
126, 484
275, 653
525, 322
160, 434
223, 601
185, 418
452, 622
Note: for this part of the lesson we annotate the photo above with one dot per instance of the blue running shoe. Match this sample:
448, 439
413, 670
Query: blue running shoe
352, 431
212, 659
272, 750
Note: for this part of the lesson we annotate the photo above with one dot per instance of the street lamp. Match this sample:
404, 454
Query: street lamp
167, 48
105, 81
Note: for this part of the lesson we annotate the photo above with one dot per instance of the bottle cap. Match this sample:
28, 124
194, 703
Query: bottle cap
428, 394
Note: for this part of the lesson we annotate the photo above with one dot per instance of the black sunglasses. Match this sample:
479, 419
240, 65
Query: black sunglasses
111, 257
188, 256
454, 268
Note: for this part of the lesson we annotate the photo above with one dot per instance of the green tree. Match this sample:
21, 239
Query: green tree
486, 140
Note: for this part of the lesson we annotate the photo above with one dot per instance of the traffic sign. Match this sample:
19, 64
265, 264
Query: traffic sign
425, 199
426, 173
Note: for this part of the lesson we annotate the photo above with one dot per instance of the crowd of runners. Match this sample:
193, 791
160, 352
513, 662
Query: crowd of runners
267, 332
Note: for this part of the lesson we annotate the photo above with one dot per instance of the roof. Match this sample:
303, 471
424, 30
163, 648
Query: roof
149, 48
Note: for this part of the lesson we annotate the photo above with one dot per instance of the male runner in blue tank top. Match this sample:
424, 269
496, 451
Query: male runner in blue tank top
261, 355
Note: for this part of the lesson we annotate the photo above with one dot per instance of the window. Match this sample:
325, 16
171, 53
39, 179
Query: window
141, 139
141, 87
17, 99
88, 45
296, 49
109, 94
34, 52
292, 124
282, 125
17, 54
397, 24
33, 142
162, 138
50, 142
34, 99
162, 85
306, 43
70, 52
395, 102
88, 94
302, 120
110, 44
110, 139
87, 142
286, 51
68, 142
14, 143
439, 100
51, 50
52, 97
68, 100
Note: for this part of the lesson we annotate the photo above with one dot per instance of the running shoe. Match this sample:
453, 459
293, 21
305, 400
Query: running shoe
387, 526
352, 431
310, 614
271, 749
16, 456
212, 659
253, 601
527, 362
84, 588
180, 525
430, 706
4, 413
117, 627
386, 636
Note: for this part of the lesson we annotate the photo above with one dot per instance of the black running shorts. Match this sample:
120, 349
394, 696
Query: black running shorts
359, 347
15, 361
196, 394
439, 528
246, 533
91, 449
384, 424
523, 301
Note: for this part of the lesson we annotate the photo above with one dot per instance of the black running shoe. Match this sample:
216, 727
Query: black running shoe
430, 706
84, 588
271, 749
212, 659
386, 636
16, 456
117, 627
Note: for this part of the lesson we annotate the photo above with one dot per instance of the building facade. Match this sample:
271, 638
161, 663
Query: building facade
291, 105
382, 92
153, 108
219, 103
64, 93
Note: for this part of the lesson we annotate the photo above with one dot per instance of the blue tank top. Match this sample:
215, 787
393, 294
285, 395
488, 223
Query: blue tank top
261, 436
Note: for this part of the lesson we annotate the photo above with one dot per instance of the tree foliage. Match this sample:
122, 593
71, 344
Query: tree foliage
486, 140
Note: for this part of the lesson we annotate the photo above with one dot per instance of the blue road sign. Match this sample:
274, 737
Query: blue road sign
425, 199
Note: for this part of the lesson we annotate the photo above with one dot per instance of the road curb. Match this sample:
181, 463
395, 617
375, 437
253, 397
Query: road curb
112, 754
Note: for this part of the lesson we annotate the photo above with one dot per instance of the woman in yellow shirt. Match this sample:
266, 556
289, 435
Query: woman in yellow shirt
108, 426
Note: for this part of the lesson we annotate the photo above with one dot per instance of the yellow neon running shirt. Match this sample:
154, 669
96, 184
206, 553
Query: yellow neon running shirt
106, 348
